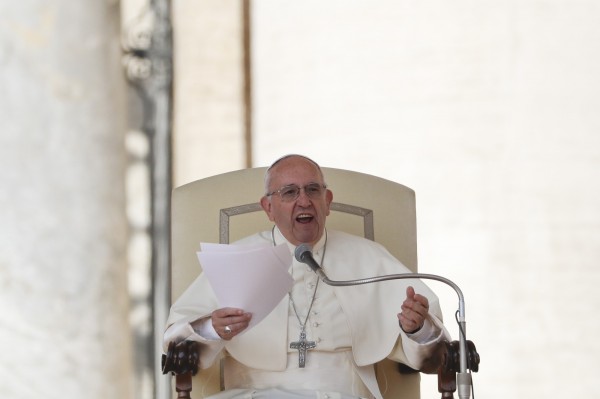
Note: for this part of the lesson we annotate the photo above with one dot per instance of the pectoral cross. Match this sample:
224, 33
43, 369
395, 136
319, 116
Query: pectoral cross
302, 345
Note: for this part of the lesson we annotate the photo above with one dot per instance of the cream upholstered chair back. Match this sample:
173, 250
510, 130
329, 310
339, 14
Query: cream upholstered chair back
225, 208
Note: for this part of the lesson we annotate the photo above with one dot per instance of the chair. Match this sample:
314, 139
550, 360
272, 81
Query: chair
225, 207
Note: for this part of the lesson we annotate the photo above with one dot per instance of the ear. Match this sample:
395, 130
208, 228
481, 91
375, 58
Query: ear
266, 206
328, 199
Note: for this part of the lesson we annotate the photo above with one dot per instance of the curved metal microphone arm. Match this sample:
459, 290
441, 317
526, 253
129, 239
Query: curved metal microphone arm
342, 283
303, 253
461, 299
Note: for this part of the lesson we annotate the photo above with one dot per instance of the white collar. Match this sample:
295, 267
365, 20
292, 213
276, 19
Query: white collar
278, 238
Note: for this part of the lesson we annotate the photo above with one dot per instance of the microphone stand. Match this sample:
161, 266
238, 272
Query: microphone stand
303, 254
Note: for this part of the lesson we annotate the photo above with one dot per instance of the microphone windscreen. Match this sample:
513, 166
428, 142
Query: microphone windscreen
301, 250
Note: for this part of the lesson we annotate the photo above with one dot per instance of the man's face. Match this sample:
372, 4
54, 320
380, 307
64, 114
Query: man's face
303, 219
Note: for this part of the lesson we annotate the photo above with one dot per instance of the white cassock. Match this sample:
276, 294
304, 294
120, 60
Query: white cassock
353, 327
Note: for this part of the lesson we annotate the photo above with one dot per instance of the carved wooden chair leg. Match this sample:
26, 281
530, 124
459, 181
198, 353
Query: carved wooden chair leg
183, 385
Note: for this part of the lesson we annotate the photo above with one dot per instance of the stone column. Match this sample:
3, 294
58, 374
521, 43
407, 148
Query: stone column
63, 232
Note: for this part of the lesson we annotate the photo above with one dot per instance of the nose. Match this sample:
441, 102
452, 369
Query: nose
303, 198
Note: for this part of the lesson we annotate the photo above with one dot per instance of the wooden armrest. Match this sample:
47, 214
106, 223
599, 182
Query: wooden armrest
450, 365
445, 362
182, 360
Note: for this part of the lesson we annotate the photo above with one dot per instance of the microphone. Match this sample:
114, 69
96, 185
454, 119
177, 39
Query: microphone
303, 254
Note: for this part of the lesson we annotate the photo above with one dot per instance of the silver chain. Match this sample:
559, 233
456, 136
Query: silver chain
303, 325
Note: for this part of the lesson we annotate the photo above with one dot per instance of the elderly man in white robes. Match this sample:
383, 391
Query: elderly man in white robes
320, 340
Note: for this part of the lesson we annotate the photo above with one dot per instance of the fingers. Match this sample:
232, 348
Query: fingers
416, 301
415, 309
229, 322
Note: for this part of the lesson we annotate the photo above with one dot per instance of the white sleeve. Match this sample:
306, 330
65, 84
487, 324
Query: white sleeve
428, 332
205, 329
417, 348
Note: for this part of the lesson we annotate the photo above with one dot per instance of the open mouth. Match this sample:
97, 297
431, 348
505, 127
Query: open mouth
304, 218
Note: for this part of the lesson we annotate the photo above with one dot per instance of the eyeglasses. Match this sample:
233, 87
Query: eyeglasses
291, 192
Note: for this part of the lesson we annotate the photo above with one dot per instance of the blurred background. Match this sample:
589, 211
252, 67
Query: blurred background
488, 109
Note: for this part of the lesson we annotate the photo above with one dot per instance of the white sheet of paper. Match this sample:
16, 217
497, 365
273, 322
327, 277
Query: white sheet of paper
253, 278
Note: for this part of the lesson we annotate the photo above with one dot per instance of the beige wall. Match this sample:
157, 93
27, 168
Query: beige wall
208, 89
489, 111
